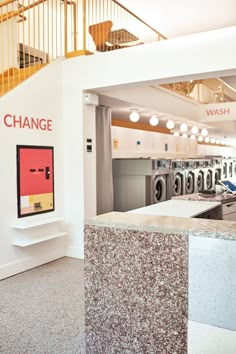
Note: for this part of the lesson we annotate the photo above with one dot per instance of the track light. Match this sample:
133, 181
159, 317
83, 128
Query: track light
134, 116
154, 120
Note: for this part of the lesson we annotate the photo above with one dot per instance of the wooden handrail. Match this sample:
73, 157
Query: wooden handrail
138, 18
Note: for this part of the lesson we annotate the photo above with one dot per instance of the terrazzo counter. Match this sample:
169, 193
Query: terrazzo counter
223, 198
146, 275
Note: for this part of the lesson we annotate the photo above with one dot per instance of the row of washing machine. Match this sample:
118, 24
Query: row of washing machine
141, 182
188, 176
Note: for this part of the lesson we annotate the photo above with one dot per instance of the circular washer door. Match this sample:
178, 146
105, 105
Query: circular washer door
225, 170
178, 184
217, 176
200, 183
209, 182
159, 189
189, 184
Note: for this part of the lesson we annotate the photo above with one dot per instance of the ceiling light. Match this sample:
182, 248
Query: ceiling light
213, 140
170, 124
194, 129
193, 137
184, 135
153, 120
204, 132
134, 116
183, 127
217, 141
222, 142
200, 138
207, 139
176, 134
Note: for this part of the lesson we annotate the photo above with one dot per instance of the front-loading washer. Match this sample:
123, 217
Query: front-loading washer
230, 168
160, 190
189, 168
234, 168
217, 169
224, 168
199, 175
177, 178
208, 175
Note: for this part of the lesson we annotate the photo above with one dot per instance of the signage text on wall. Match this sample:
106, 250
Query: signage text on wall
23, 122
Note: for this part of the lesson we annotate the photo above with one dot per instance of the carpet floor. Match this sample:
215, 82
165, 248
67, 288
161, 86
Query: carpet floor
42, 310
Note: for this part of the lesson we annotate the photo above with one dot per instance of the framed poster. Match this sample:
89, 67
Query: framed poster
35, 180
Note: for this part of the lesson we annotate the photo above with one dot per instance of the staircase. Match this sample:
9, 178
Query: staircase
12, 77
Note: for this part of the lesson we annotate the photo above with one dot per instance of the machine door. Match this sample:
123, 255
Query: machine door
217, 175
209, 180
231, 169
178, 184
159, 189
200, 181
225, 170
189, 185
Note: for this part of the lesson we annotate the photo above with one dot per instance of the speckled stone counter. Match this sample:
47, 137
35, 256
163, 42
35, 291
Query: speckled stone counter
137, 286
220, 197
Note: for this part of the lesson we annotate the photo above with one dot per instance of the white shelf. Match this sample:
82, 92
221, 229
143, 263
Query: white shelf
25, 225
24, 242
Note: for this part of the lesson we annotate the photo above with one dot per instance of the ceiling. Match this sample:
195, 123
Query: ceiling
173, 19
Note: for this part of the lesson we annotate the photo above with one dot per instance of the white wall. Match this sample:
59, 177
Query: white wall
38, 97
152, 144
61, 98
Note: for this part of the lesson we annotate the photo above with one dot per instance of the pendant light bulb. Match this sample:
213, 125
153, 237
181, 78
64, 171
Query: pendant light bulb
154, 120
200, 138
194, 129
204, 132
183, 127
134, 116
176, 134
170, 124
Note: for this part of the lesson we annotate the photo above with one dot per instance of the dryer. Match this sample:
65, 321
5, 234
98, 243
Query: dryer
177, 178
190, 176
199, 175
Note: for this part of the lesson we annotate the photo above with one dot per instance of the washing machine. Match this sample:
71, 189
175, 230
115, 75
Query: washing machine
177, 178
234, 168
217, 167
230, 168
160, 182
140, 182
199, 175
208, 175
190, 176
225, 168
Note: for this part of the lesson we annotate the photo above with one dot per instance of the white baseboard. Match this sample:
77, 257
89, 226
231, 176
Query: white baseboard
74, 252
7, 270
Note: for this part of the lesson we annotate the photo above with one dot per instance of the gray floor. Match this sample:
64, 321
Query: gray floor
42, 310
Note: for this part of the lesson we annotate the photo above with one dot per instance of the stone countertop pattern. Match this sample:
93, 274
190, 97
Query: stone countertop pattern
218, 197
136, 291
219, 229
